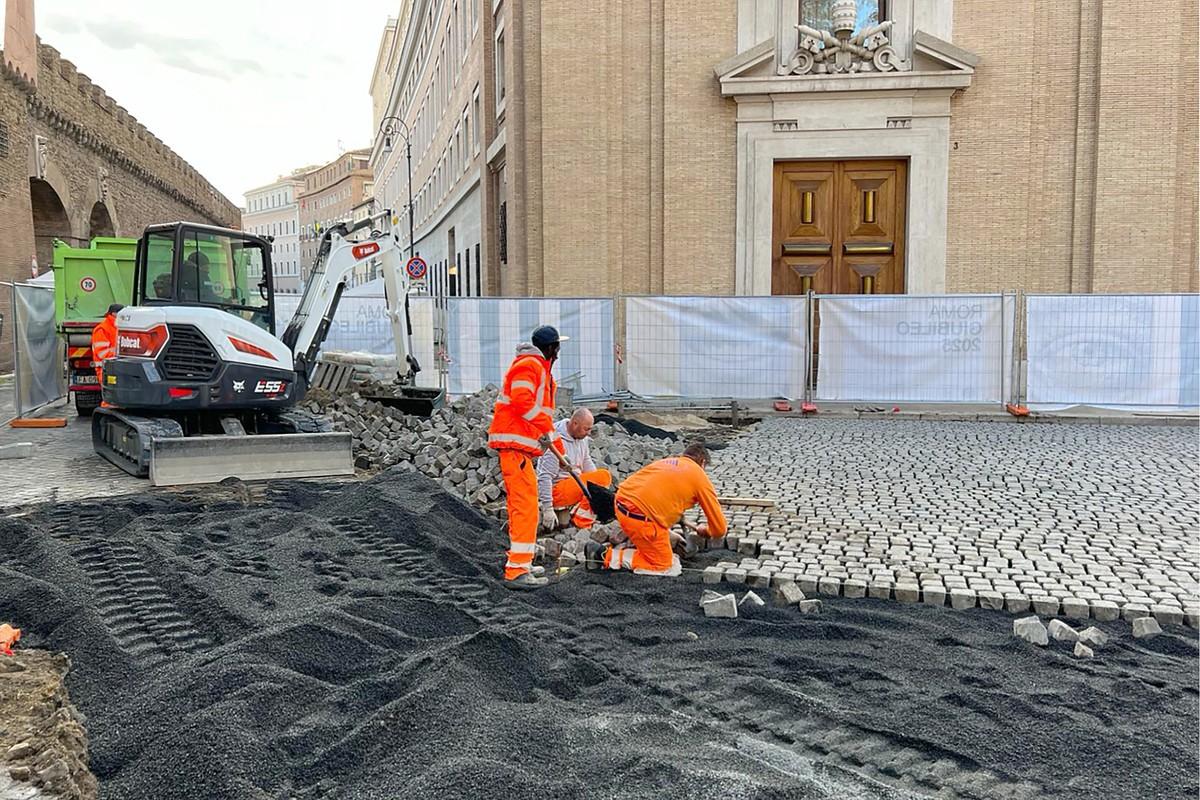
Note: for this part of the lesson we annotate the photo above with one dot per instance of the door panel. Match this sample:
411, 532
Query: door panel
839, 227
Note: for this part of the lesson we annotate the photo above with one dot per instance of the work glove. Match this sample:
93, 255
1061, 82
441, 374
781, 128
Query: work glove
549, 518
702, 530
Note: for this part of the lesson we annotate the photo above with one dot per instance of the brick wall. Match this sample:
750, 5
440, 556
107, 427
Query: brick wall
93, 145
1073, 160
622, 149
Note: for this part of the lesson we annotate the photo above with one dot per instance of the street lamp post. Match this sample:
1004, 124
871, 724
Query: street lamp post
388, 127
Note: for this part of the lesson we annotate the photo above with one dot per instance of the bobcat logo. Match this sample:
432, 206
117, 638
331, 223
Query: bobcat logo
239, 386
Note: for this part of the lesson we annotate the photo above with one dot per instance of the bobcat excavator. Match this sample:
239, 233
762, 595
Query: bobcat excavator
202, 389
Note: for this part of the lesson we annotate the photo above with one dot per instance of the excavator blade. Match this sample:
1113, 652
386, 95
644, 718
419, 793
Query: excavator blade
210, 459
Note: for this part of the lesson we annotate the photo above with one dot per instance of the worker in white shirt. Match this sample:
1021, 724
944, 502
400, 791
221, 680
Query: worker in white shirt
557, 490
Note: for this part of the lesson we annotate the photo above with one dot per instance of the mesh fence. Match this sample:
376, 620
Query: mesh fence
37, 348
1113, 350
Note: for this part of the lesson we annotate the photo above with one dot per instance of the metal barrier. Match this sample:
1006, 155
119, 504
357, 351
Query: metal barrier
914, 348
1136, 351
38, 355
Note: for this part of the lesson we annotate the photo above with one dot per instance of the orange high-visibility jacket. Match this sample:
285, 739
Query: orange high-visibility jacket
104, 338
665, 489
525, 408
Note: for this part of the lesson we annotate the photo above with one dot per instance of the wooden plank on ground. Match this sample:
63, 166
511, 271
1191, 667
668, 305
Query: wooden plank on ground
760, 502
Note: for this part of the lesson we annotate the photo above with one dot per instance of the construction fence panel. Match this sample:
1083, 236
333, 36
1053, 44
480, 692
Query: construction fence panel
360, 323
915, 349
1136, 351
716, 347
38, 361
482, 334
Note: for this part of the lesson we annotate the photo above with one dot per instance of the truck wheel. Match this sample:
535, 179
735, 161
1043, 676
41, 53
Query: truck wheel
86, 403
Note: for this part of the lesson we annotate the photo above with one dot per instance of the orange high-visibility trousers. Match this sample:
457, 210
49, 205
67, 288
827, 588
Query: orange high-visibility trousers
520, 484
567, 494
649, 548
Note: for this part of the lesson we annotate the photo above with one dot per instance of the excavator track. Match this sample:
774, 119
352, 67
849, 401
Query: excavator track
127, 439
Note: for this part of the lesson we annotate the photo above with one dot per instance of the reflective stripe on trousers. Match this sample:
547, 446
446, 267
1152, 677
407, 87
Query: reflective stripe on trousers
520, 486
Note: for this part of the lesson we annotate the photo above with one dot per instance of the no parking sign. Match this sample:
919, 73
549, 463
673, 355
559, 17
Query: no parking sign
416, 268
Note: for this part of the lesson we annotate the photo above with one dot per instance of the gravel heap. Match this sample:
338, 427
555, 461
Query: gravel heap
451, 446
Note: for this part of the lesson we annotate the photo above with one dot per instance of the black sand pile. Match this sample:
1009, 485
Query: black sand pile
353, 641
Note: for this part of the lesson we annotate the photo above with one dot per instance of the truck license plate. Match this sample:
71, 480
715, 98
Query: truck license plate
86, 379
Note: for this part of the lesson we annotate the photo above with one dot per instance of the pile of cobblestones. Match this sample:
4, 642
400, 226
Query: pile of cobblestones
451, 445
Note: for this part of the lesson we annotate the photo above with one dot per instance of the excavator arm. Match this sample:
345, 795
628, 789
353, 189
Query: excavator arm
337, 258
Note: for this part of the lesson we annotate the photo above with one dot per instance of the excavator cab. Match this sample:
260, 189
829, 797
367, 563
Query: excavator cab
185, 264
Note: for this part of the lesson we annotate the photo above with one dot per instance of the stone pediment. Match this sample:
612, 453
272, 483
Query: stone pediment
866, 62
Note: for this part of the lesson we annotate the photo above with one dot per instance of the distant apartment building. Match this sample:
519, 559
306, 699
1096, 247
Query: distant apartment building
330, 195
428, 75
273, 210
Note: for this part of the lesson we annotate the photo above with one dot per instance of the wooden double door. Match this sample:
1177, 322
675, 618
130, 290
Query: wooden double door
839, 227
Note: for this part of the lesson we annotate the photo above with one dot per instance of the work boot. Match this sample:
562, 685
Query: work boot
594, 555
526, 580
537, 570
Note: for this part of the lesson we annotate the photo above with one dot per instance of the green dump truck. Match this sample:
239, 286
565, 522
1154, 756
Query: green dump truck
86, 282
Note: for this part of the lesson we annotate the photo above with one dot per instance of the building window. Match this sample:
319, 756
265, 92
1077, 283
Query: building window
499, 72
476, 135
819, 13
503, 232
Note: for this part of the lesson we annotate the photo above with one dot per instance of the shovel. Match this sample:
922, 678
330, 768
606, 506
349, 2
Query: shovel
601, 499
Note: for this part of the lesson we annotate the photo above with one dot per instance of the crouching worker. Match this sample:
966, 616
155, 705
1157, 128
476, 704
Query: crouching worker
652, 500
557, 490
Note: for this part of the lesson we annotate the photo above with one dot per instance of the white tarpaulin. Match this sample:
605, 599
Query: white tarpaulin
735, 347
905, 348
39, 362
360, 323
1113, 350
482, 334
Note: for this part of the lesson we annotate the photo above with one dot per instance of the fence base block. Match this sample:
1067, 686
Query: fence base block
39, 422
808, 408
1016, 410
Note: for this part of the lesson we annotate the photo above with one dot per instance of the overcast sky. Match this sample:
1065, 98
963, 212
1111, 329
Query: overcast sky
244, 90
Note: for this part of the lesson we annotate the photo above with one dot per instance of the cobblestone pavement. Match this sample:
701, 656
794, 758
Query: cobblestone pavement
1077, 520
63, 465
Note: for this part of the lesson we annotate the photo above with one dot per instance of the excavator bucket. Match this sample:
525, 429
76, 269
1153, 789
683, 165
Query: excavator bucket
210, 459
413, 401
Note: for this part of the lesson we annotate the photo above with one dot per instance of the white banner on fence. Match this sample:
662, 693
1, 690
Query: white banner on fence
1113, 350
903, 348
361, 325
482, 334
735, 347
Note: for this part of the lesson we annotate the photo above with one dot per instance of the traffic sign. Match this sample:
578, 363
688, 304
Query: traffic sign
88, 284
416, 268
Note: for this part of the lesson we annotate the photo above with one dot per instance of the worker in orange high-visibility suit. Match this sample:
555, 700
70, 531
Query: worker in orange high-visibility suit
522, 427
104, 340
648, 503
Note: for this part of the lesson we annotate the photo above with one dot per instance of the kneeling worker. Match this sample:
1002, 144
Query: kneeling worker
649, 502
557, 490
